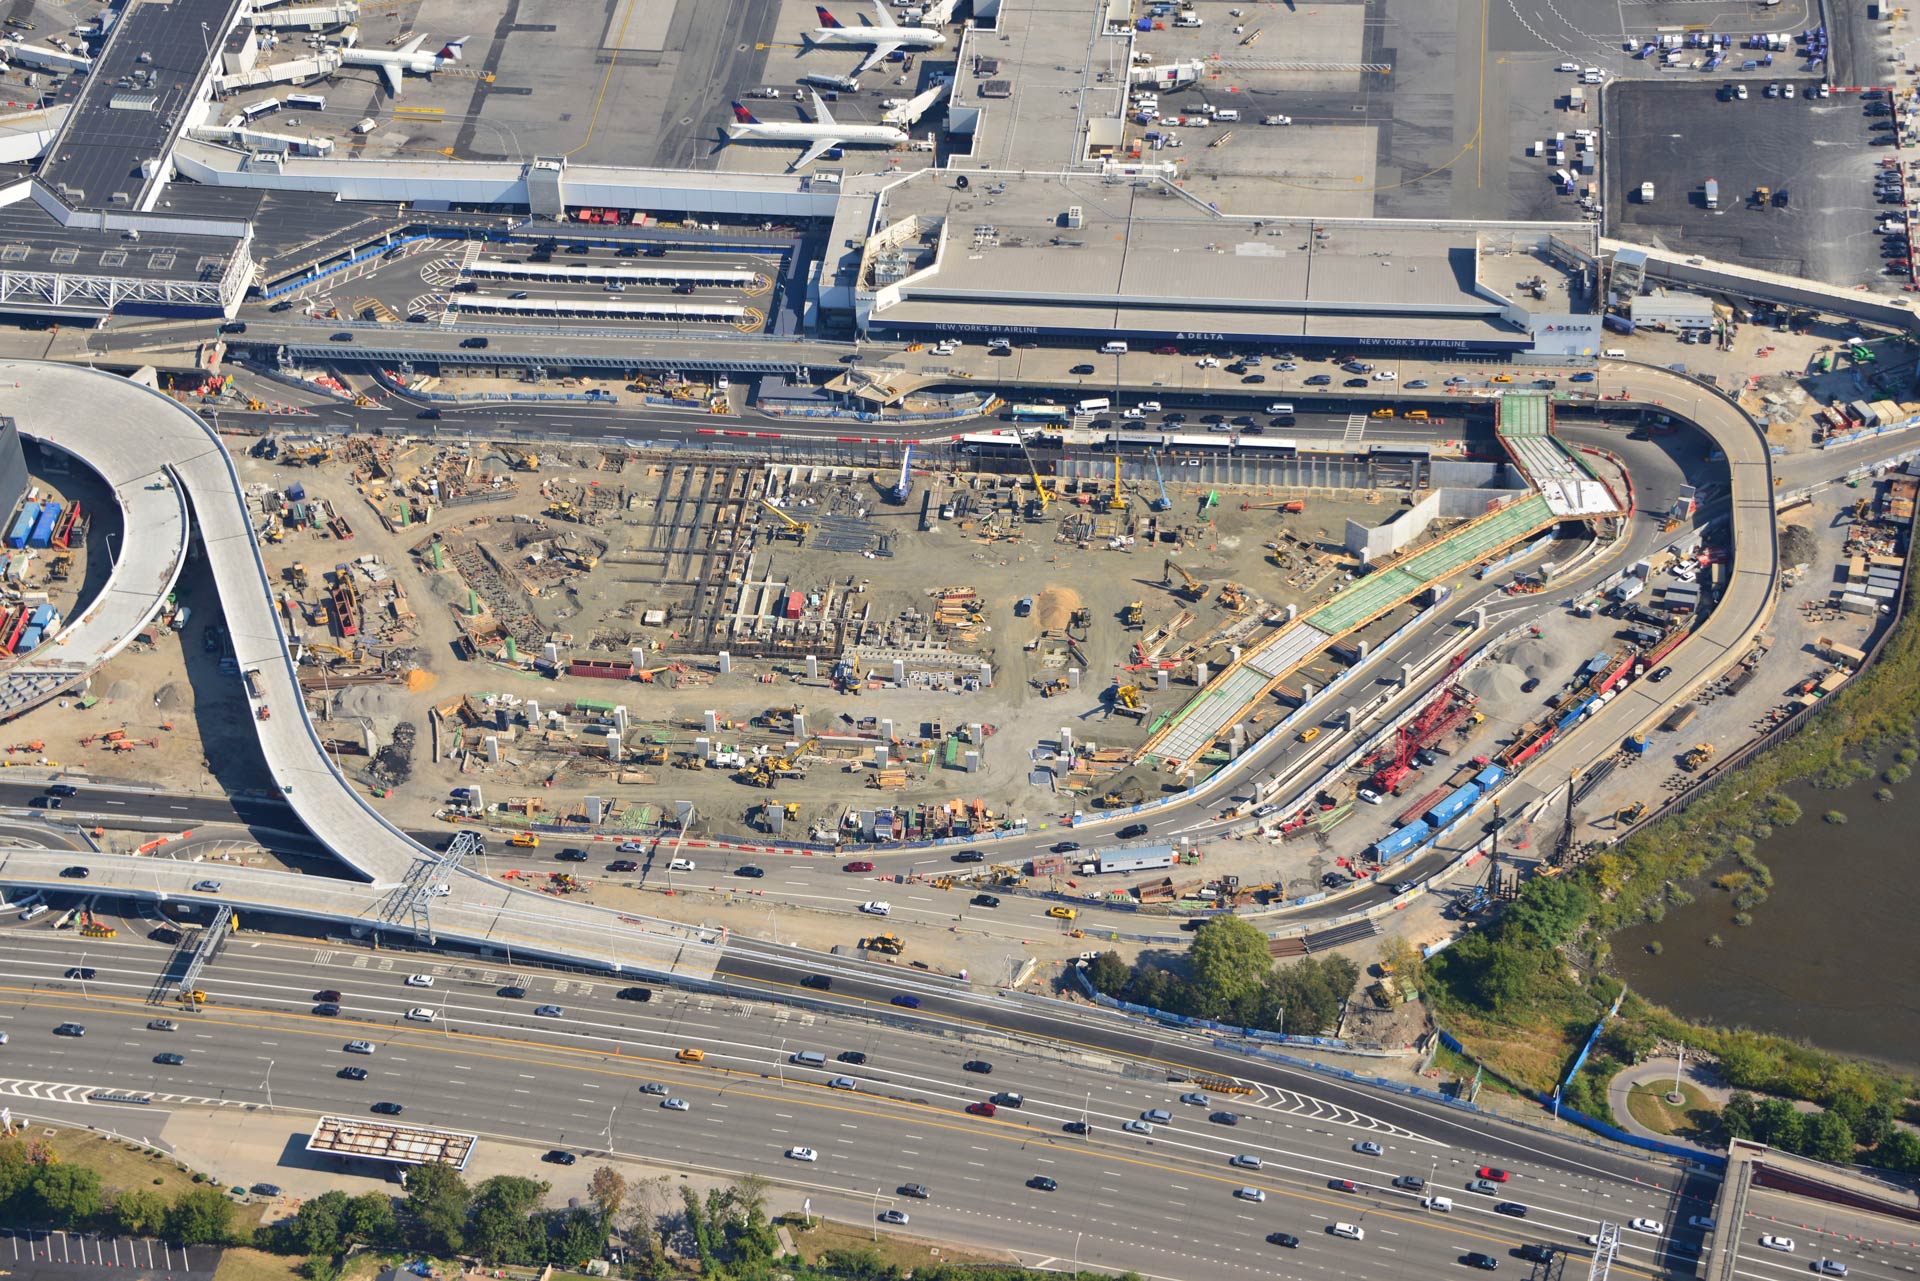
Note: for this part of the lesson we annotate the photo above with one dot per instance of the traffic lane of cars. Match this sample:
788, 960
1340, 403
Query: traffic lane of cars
768, 1137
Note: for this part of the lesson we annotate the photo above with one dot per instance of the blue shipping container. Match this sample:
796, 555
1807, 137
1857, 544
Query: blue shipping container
28, 639
1401, 840
1458, 802
1489, 778
42, 535
23, 526
42, 615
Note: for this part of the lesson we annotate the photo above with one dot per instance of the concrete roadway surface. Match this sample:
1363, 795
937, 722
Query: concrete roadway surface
1164, 1204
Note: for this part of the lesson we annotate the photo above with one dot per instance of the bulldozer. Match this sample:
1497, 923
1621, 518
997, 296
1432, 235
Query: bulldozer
1629, 815
1190, 587
1121, 797
1697, 755
561, 509
1134, 615
1234, 597
885, 944
1082, 619
1049, 689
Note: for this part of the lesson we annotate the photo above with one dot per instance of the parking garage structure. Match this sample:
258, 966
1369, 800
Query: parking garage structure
643, 310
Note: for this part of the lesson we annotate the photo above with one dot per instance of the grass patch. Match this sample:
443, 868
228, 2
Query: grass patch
242, 1263
1695, 1117
894, 1248
122, 1166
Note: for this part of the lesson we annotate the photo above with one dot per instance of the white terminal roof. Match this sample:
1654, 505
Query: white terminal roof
1145, 255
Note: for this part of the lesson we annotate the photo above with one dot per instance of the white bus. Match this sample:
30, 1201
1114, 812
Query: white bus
306, 102
259, 109
1097, 405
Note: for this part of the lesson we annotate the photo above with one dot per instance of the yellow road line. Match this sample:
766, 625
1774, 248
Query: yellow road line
420, 111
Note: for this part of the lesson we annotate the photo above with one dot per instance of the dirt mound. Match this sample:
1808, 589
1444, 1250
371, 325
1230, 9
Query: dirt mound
1053, 606
1798, 546
171, 698
123, 692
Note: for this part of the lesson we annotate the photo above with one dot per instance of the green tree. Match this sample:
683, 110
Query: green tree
370, 1220
1830, 1139
575, 1236
1230, 963
1310, 992
140, 1212
1779, 1123
501, 1226
1900, 1151
201, 1216
1875, 1124
16, 1171
317, 1228
1740, 1117
437, 1200
1108, 973
65, 1194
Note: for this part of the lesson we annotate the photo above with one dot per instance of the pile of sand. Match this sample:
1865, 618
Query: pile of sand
171, 698
123, 692
1053, 606
1499, 682
377, 703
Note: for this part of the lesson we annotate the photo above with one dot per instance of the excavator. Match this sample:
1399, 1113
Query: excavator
789, 528
768, 770
520, 459
1191, 588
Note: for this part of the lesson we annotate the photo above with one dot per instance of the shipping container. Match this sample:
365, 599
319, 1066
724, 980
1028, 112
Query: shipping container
1399, 842
1136, 858
1489, 778
1457, 803
42, 535
23, 526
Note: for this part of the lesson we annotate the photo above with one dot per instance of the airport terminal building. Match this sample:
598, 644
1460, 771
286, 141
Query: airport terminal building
1137, 258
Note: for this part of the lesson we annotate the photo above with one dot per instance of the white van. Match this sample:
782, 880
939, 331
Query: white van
34, 913
1226, 115
1351, 1231
680, 865
1438, 1204
1246, 1161
1615, 353
1097, 405
1113, 349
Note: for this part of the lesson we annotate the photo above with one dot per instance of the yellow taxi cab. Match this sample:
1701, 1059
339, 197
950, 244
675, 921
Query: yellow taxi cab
1503, 378
1310, 733
1419, 414
1383, 413
692, 1056
1062, 913
525, 841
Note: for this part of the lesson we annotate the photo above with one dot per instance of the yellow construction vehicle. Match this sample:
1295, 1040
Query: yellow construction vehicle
1050, 688
1120, 798
520, 459
1082, 618
885, 944
650, 754
777, 719
1234, 597
1037, 506
768, 770
297, 575
1127, 696
561, 509
1699, 754
1117, 501
789, 528
1190, 587
573, 558
306, 455
1135, 614
1630, 814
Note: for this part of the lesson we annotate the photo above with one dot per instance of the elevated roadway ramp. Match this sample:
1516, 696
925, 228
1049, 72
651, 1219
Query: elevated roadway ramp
113, 424
478, 914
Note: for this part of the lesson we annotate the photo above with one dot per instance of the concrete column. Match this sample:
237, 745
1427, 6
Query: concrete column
596, 809
899, 671
973, 762
886, 730
475, 800
704, 746
637, 656
493, 750
533, 712
881, 755
1234, 652
813, 667
976, 734
1293, 611
1160, 679
500, 719
800, 726
1479, 617
1306, 694
1200, 674
1066, 741
1406, 675
683, 814
1360, 648
725, 662
776, 819
710, 721
1237, 741
1073, 678
986, 674
620, 718
614, 741
550, 653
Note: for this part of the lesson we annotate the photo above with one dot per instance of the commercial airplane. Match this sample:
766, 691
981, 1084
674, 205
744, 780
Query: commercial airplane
821, 136
392, 64
884, 37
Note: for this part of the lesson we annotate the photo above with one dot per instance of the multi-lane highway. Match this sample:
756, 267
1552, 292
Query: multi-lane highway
1163, 1202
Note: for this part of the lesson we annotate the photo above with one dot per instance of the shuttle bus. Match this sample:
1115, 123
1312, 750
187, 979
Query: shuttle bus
1038, 413
306, 102
259, 109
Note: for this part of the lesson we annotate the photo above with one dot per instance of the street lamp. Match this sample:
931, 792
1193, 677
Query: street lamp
268, 1084
780, 1063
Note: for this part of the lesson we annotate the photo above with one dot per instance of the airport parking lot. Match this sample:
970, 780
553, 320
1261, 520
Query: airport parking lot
1677, 138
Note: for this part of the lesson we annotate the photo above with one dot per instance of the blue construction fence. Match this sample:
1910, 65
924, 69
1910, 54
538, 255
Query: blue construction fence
1619, 1135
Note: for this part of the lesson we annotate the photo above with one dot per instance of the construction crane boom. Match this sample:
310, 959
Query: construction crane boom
794, 529
1191, 587
1044, 495
1118, 502
1162, 503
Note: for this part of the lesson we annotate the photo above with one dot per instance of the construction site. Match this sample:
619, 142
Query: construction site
585, 637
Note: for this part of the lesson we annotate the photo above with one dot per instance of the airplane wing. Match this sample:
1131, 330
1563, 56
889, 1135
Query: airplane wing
413, 45
821, 116
880, 54
880, 10
393, 76
815, 149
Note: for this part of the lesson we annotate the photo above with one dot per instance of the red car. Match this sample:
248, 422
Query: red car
982, 1109
1497, 1176
858, 867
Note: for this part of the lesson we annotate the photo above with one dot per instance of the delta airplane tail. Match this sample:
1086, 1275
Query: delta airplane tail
827, 20
742, 116
451, 50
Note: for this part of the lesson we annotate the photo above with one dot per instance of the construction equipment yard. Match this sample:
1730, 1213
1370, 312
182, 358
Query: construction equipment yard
589, 636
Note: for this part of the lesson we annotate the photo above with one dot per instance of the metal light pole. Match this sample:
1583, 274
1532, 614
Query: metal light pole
612, 1112
780, 1063
876, 1214
268, 1084
83, 974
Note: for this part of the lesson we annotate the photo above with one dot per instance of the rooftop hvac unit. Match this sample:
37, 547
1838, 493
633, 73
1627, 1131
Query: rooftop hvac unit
891, 268
1075, 219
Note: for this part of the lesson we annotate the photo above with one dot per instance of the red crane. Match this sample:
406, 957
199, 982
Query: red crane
1427, 726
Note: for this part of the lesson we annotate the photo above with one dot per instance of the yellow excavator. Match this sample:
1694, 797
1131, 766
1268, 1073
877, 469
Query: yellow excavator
1190, 587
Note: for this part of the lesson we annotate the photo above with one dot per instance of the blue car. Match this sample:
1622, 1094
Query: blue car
910, 1002
1584, 377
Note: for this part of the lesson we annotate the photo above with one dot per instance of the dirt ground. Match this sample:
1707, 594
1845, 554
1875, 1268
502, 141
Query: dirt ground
579, 548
